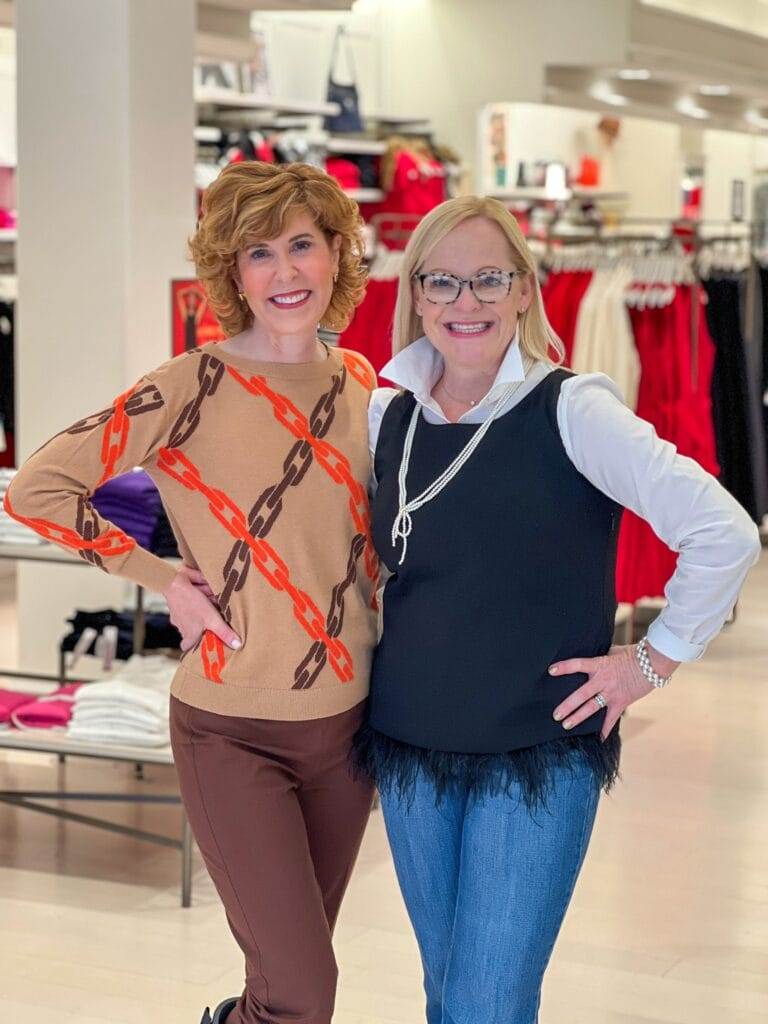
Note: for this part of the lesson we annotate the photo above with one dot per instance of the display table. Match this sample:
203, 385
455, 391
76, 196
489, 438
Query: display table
47, 741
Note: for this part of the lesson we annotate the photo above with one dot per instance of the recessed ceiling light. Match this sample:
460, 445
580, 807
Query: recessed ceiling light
685, 105
634, 74
715, 90
755, 118
602, 91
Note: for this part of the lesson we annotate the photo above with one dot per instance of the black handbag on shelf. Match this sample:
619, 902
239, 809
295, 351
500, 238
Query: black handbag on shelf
348, 119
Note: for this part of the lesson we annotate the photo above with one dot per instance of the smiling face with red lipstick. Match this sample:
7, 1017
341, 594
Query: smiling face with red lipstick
471, 330
278, 249
287, 282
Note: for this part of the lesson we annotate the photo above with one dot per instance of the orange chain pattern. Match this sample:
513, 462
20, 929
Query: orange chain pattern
176, 465
212, 653
361, 370
331, 459
110, 544
84, 538
115, 436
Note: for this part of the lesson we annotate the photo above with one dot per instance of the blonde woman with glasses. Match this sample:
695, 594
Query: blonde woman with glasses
496, 695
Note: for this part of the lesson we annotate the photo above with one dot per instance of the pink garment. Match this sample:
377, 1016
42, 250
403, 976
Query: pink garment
9, 701
48, 712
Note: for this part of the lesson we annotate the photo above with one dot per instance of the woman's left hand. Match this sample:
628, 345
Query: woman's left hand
617, 676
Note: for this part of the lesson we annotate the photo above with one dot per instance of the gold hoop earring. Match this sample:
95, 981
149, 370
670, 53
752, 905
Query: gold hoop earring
241, 296
336, 277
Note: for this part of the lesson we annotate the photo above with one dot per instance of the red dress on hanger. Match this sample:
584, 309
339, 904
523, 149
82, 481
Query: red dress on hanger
562, 293
674, 397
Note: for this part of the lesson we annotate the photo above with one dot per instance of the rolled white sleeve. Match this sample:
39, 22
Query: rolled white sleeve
716, 541
380, 399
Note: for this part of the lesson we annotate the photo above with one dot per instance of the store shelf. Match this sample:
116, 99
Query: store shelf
205, 134
541, 194
395, 121
242, 101
357, 147
365, 195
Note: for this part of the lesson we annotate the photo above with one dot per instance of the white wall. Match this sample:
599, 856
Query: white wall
299, 52
106, 201
7, 97
447, 59
730, 156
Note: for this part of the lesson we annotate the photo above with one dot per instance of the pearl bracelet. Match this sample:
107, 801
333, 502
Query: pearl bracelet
653, 677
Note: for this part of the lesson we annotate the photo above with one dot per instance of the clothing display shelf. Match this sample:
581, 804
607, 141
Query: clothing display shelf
356, 147
365, 195
393, 122
541, 194
216, 99
49, 554
55, 743
42, 741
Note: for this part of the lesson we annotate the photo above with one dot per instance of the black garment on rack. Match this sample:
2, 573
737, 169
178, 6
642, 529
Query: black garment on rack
730, 392
160, 633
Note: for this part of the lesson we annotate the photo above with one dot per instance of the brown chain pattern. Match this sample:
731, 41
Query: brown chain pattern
265, 558
334, 462
269, 504
209, 376
314, 662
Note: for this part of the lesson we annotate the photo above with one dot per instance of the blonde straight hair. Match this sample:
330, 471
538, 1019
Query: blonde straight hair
538, 340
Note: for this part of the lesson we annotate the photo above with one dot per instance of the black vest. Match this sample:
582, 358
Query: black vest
509, 569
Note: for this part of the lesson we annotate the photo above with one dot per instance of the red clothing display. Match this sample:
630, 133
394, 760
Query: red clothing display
679, 408
344, 171
562, 293
370, 332
670, 398
418, 185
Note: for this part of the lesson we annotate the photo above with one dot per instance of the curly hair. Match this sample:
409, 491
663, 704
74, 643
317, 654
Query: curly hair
250, 202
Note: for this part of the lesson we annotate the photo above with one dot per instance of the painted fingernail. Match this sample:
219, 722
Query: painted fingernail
567, 725
553, 670
557, 717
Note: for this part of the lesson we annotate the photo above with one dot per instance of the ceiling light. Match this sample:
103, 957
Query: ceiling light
685, 105
756, 119
602, 91
715, 90
634, 74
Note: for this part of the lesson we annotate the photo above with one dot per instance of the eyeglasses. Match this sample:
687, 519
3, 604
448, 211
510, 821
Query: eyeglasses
487, 286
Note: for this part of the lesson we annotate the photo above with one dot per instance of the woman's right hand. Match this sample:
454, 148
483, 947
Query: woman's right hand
193, 612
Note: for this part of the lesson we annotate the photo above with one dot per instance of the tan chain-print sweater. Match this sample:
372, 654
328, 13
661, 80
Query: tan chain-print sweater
263, 470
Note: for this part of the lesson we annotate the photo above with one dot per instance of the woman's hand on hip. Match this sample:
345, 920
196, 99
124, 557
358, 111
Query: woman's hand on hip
616, 676
193, 610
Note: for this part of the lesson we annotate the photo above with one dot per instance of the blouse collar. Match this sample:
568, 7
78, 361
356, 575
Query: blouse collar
419, 366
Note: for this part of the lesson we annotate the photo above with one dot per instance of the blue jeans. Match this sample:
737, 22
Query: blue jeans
487, 882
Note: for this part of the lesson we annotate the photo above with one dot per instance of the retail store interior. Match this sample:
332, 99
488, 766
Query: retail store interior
630, 140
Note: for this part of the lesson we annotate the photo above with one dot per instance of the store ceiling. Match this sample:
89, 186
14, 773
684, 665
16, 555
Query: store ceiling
677, 68
282, 5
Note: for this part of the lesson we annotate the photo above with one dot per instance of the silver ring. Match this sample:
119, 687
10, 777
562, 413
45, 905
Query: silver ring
600, 700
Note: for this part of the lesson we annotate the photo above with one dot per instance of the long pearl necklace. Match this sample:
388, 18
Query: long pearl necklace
403, 524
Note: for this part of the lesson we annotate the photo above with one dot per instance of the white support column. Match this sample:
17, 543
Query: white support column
106, 203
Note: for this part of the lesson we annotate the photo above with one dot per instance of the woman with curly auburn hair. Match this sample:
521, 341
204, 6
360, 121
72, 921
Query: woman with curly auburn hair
259, 448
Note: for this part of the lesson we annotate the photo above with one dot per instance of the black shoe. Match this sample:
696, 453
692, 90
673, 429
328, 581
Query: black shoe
221, 1012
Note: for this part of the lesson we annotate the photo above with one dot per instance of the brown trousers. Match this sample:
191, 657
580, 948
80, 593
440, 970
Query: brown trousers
279, 820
